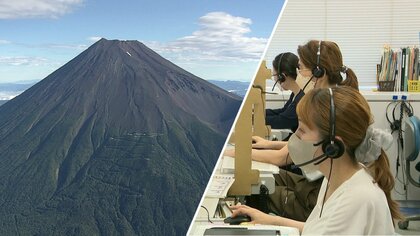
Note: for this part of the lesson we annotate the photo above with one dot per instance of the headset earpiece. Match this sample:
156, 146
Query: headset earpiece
333, 150
318, 71
282, 77
333, 147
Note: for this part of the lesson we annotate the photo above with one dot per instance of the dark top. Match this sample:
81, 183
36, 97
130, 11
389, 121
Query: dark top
284, 118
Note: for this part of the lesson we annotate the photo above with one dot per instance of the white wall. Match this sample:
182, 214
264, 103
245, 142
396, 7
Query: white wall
378, 102
360, 27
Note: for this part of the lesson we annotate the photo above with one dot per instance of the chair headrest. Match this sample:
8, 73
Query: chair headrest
411, 138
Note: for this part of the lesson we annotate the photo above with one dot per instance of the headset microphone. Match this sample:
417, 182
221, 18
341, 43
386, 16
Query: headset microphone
262, 90
317, 160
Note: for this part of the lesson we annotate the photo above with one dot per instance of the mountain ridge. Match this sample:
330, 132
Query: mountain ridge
78, 145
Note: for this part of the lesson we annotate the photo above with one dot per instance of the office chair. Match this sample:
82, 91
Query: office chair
411, 137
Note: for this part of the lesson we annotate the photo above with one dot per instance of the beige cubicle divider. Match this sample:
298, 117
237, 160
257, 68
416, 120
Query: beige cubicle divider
251, 122
259, 84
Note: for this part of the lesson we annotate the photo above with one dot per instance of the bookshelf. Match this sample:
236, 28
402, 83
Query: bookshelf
399, 69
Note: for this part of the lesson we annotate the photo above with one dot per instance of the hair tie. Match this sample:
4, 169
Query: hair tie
344, 69
370, 148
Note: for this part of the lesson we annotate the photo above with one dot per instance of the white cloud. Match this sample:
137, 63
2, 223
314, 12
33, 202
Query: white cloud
15, 9
23, 60
221, 36
6, 95
65, 46
94, 38
2, 41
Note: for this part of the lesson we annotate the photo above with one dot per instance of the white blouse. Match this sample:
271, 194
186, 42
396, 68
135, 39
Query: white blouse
356, 207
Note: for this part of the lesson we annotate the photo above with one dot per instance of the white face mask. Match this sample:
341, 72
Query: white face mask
301, 151
302, 81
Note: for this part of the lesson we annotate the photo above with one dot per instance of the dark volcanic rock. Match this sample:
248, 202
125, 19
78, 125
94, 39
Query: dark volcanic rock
119, 141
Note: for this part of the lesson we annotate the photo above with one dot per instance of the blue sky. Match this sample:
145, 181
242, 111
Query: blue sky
213, 39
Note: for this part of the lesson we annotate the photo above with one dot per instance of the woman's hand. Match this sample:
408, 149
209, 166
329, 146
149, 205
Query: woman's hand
229, 152
260, 143
257, 217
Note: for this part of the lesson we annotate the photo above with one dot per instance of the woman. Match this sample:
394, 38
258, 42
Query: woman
295, 195
323, 62
284, 68
314, 56
354, 199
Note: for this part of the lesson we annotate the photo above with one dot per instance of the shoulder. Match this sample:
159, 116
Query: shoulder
362, 190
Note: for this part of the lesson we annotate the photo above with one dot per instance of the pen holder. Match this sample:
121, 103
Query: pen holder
386, 85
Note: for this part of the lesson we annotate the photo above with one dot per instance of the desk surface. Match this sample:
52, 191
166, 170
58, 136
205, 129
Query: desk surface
200, 225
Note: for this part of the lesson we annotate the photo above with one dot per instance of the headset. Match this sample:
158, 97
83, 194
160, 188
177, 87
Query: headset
318, 71
395, 124
280, 76
332, 147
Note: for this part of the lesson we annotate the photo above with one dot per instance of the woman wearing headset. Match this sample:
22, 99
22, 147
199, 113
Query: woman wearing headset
284, 68
354, 198
295, 195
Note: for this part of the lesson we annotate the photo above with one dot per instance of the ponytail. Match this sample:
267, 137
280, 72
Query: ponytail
383, 177
351, 79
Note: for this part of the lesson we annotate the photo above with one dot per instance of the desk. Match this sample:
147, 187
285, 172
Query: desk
266, 173
200, 226
224, 168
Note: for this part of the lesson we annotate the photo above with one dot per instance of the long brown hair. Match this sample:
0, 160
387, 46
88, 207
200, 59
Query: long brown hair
353, 117
331, 60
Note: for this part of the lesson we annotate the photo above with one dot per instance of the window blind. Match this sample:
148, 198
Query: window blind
360, 27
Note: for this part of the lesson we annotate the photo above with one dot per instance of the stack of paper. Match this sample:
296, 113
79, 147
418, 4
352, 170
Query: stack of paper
219, 186
228, 166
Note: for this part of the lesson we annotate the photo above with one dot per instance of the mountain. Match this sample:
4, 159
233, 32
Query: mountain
237, 87
118, 141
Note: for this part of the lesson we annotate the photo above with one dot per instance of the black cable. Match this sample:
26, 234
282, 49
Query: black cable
287, 186
411, 108
400, 137
408, 108
392, 124
304, 87
208, 214
396, 175
326, 189
400, 162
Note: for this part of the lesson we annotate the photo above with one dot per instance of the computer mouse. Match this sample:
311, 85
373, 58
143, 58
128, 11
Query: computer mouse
237, 220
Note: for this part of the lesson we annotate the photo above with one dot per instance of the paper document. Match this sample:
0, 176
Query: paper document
228, 166
219, 186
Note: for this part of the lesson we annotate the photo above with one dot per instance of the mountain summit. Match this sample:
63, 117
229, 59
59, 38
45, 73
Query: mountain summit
117, 141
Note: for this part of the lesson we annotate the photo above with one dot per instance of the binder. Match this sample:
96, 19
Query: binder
403, 63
